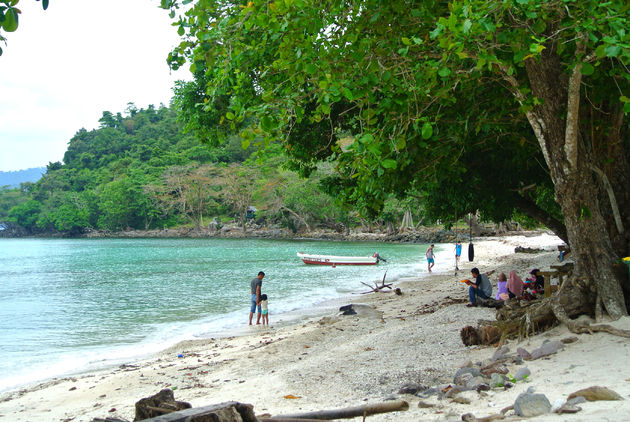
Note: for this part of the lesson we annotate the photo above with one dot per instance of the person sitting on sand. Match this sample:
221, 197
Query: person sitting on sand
514, 285
481, 287
264, 309
502, 293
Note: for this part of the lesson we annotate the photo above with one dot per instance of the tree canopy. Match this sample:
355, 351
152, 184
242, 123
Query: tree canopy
488, 105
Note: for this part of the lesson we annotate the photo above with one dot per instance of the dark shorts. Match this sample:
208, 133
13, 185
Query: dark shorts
254, 307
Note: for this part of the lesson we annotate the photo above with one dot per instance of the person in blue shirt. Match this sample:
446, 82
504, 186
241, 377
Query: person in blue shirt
458, 253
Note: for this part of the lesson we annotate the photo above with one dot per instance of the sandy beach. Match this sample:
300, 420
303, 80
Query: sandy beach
332, 361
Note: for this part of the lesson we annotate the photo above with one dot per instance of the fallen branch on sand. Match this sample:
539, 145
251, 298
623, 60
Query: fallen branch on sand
376, 287
344, 413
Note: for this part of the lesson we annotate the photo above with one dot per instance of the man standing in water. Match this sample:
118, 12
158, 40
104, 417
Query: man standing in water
430, 258
256, 289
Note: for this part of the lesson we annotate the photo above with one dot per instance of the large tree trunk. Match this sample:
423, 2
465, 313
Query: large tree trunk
577, 190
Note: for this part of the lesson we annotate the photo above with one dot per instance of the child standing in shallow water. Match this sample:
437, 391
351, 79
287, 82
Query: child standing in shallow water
264, 309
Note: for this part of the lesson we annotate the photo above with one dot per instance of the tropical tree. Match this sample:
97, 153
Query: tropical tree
9, 17
427, 91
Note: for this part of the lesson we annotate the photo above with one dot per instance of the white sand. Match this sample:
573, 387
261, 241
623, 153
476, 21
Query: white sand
339, 361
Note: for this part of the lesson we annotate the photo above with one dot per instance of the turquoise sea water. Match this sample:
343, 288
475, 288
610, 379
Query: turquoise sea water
68, 305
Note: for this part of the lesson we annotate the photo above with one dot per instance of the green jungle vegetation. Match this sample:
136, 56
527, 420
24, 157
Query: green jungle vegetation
139, 170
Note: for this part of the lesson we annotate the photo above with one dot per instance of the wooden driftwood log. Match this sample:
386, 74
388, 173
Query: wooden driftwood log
223, 412
344, 413
159, 404
378, 288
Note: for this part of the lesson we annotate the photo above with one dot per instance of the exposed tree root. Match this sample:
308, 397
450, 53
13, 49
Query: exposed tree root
519, 319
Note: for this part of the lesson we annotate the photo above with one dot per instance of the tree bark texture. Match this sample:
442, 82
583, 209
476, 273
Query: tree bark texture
577, 188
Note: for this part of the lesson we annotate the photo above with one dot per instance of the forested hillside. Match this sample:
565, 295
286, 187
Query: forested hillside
139, 170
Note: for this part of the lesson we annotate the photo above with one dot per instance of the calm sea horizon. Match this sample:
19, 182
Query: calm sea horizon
71, 305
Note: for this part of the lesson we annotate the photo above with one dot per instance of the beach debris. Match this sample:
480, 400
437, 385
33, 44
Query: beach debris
469, 417
424, 404
596, 393
159, 404
527, 250
222, 412
347, 412
486, 334
361, 311
529, 404
376, 287
411, 388
568, 340
292, 397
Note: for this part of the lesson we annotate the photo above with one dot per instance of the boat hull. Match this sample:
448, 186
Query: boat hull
311, 259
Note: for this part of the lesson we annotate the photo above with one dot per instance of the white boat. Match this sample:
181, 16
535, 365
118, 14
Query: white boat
313, 259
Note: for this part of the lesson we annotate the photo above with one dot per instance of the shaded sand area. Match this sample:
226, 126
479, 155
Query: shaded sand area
334, 361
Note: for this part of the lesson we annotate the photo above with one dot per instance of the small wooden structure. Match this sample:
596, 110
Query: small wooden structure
557, 271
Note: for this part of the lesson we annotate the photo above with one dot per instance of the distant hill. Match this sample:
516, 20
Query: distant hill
14, 178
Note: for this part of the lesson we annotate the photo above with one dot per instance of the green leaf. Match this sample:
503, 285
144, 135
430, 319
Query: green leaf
427, 130
587, 69
601, 51
10, 23
389, 163
267, 124
467, 25
366, 138
624, 99
229, 115
348, 94
311, 69
540, 26
444, 72
626, 108
406, 41
613, 50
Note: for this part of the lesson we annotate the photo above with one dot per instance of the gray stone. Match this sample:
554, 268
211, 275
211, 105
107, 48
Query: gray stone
547, 349
411, 388
464, 379
473, 383
461, 371
524, 354
428, 392
522, 373
497, 380
500, 353
528, 405
424, 405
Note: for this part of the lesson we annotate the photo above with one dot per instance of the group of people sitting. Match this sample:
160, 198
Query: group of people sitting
508, 287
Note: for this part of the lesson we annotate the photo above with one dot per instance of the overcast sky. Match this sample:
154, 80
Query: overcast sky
64, 66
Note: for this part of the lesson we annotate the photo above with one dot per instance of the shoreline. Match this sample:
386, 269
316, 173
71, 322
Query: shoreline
334, 361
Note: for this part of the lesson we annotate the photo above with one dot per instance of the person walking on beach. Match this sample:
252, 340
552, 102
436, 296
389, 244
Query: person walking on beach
265, 309
256, 288
430, 258
458, 253
481, 287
